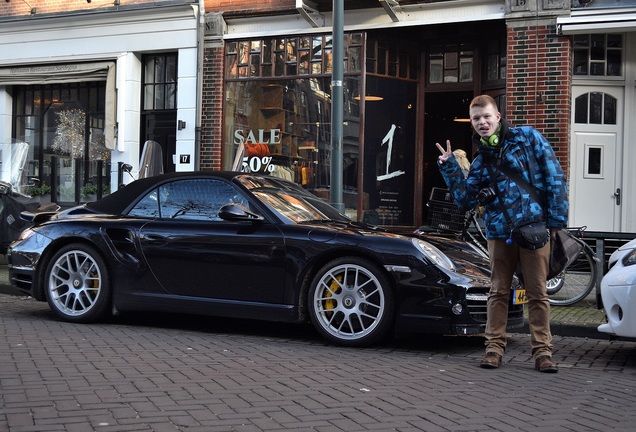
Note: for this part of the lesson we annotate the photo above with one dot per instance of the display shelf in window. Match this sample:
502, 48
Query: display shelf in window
278, 113
272, 96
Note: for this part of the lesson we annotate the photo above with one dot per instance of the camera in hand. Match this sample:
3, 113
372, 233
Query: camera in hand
486, 195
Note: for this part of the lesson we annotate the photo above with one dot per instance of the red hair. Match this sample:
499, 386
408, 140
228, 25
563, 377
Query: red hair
482, 101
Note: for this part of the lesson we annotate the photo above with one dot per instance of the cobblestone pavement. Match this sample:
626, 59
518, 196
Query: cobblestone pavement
144, 372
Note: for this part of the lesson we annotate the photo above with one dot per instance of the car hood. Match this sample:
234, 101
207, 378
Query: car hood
461, 253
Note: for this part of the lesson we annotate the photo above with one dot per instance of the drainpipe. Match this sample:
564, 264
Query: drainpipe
337, 115
199, 96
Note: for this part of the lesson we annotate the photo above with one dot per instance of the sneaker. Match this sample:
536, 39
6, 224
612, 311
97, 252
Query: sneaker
491, 361
545, 364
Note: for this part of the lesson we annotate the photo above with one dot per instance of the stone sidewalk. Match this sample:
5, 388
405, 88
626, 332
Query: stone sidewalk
150, 372
153, 372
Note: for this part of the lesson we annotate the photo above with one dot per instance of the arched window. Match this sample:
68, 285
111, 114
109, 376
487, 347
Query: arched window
595, 108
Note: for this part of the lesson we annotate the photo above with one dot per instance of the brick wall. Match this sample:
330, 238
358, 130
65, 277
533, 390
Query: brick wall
212, 110
247, 6
538, 84
19, 7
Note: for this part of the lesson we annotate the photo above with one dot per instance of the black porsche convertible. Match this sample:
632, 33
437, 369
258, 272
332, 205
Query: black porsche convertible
249, 246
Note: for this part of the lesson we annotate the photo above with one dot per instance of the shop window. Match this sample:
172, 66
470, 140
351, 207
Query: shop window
283, 128
160, 80
495, 61
595, 108
289, 56
450, 64
231, 58
316, 55
598, 55
389, 152
63, 125
389, 57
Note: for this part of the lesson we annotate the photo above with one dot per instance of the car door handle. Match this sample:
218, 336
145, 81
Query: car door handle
617, 195
154, 239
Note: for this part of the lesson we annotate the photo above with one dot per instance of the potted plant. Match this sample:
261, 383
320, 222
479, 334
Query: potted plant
40, 192
105, 189
89, 191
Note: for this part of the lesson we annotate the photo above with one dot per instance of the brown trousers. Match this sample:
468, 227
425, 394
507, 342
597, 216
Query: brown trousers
504, 260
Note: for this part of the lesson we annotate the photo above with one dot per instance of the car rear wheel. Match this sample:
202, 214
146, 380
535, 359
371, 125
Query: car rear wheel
77, 284
351, 302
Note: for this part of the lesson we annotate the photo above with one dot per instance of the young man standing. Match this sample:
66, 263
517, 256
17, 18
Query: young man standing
508, 205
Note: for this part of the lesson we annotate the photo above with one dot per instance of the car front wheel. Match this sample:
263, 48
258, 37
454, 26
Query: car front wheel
351, 302
77, 284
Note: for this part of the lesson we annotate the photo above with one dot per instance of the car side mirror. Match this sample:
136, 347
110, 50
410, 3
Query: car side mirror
238, 212
5, 188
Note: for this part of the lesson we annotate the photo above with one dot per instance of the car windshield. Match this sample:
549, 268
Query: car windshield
290, 201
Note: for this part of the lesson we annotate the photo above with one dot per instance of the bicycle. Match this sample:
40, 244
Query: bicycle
578, 280
574, 284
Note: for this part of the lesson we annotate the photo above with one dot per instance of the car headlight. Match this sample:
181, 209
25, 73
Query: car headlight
25, 234
434, 254
630, 258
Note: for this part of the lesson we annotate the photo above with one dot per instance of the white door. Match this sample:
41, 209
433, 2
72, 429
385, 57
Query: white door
595, 158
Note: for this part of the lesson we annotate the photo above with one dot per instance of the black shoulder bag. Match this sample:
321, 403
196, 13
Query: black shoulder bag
533, 235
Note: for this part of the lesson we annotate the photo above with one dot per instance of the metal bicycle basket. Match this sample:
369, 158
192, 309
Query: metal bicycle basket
443, 213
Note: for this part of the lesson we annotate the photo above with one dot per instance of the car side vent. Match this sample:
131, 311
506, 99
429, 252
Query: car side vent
124, 244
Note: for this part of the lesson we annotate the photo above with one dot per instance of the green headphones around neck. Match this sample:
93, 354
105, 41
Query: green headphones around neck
493, 140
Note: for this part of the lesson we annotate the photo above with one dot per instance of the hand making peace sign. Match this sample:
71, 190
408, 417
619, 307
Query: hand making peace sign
445, 153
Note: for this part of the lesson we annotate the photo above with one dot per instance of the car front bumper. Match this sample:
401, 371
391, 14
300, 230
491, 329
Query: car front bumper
619, 302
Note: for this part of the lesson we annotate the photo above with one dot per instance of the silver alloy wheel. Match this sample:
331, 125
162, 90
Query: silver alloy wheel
74, 283
349, 302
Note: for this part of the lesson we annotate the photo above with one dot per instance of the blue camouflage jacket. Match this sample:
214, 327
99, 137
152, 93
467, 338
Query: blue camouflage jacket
525, 150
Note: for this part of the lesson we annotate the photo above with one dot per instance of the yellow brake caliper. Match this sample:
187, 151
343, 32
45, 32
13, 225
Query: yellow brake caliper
334, 287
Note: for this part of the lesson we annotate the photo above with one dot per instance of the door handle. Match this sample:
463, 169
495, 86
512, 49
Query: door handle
617, 195
155, 240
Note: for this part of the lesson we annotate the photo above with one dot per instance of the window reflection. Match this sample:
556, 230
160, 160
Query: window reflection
199, 199
292, 118
595, 108
280, 124
594, 161
289, 56
63, 125
598, 54
596, 103
580, 109
160, 77
451, 64
293, 208
609, 112
286, 125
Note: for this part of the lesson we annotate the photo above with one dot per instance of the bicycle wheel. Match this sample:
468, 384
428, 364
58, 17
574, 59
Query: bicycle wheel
554, 285
576, 281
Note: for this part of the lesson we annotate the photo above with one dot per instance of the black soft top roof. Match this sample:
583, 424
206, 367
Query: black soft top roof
117, 202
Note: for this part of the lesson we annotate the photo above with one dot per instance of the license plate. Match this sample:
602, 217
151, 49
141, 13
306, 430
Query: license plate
519, 296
